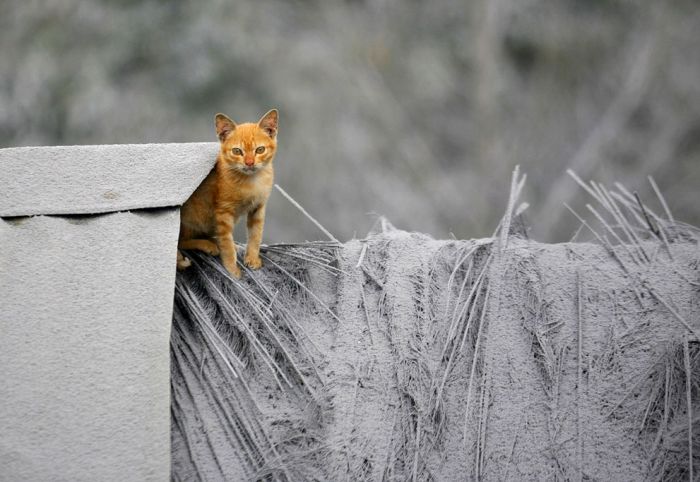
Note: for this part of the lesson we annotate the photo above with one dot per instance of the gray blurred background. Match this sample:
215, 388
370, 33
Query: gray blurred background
415, 110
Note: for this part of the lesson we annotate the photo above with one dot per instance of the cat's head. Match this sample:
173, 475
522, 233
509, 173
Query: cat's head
247, 148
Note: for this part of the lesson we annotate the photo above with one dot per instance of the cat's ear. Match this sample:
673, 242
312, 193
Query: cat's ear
224, 126
268, 123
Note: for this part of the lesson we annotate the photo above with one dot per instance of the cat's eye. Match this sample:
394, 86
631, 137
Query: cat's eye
260, 150
237, 151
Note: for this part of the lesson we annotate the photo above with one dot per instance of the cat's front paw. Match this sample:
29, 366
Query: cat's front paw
233, 269
253, 262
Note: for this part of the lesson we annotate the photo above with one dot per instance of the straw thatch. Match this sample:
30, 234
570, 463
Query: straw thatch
402, 357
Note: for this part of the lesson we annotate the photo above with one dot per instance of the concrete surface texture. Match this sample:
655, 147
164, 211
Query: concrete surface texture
99, 179
86, 307
84, 346
401, 357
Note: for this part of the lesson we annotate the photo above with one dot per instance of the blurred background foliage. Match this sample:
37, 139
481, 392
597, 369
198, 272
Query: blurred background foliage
415, 110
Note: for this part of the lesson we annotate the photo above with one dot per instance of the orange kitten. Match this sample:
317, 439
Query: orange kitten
239, 185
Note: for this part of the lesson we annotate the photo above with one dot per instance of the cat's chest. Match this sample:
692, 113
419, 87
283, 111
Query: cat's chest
241, 198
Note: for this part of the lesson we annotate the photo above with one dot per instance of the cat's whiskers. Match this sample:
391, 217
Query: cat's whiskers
245, 169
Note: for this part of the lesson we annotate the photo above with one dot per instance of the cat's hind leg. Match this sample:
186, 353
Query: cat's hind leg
206, 245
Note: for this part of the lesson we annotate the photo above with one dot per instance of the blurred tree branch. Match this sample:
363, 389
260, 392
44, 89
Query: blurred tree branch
590, 153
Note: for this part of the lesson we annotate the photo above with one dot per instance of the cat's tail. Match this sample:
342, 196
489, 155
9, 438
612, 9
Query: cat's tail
183, 262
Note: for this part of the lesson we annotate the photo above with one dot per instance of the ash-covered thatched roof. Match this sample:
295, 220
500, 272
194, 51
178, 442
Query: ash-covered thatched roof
403, 357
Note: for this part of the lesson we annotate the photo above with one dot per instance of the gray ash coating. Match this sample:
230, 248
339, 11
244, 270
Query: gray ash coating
402, 357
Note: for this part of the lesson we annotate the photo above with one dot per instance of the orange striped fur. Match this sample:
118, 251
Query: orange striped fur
238, 186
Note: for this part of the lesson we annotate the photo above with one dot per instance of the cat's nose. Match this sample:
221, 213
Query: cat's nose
249, 162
